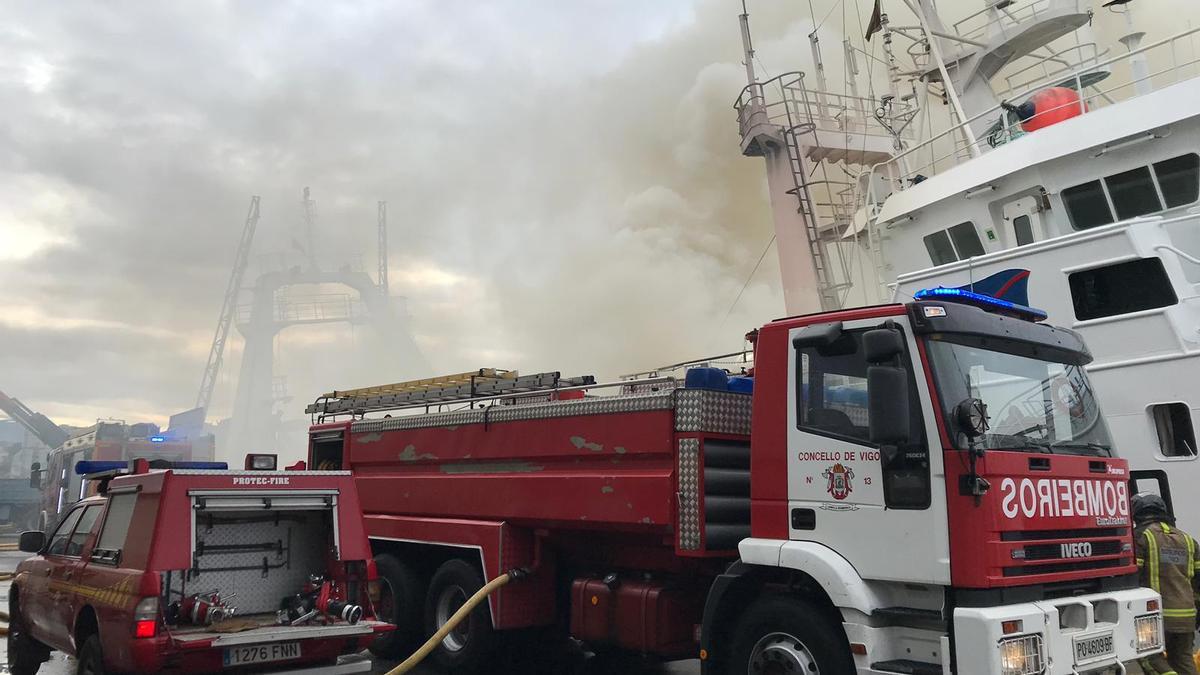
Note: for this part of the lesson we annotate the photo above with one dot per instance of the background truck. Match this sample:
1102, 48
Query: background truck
195, 570
854, 513
105, 441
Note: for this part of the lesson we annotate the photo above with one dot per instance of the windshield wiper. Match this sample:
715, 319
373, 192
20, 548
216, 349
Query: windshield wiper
1081, 445
1016, 442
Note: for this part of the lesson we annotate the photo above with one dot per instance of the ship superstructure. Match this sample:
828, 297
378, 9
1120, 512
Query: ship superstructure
1013, 155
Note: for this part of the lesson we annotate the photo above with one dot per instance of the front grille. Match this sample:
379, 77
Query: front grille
1073, 566
1037, 535
1055, 552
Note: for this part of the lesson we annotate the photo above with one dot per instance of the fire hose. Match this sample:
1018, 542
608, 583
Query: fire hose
462, 613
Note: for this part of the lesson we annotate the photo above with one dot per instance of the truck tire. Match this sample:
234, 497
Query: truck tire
90, 657
402, 604
470, 647
25, 654
793, 636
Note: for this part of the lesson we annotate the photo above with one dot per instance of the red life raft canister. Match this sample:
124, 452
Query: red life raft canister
1050, 106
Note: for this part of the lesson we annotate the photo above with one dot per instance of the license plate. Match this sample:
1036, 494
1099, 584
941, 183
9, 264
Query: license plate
278, 651
1094, 648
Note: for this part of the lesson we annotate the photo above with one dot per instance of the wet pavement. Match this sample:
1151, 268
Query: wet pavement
573, 663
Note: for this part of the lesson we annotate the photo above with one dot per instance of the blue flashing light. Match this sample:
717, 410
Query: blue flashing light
90, 466
985, 302
158, 439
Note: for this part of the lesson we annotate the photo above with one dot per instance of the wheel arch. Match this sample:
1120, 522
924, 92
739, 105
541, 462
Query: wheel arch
86, 623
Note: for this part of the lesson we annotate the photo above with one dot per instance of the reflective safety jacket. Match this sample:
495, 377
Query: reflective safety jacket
1166, 557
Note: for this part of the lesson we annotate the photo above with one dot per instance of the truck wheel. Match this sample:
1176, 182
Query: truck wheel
400, 604
25, 654
90, 657
469, 647
782, 635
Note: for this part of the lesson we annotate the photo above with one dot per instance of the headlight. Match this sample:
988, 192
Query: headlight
1022, 656
1149, 632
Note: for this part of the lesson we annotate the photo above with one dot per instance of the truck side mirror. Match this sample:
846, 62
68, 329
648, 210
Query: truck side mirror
888, 404
35, 476
32, 542
882, 344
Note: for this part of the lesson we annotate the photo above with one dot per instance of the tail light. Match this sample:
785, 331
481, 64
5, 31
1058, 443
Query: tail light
145, 618
374, 591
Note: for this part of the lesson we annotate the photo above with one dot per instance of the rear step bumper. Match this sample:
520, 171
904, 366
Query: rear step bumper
276, 634
353, 667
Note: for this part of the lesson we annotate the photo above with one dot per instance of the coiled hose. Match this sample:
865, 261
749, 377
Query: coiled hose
462, 613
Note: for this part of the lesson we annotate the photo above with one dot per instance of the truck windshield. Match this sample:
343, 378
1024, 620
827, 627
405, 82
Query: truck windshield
1033, 405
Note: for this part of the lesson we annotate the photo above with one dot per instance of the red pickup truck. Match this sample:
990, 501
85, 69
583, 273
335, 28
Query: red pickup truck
192, 570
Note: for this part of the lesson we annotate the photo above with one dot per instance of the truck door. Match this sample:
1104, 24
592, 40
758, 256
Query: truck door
862, 500
37, 594
65, 595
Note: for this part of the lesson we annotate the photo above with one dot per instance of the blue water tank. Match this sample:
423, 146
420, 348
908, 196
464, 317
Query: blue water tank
741, 384
706, 378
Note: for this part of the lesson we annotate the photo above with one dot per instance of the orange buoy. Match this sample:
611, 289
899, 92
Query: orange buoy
1050, 106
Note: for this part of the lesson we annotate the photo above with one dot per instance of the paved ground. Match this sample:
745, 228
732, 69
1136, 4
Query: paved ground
571, 664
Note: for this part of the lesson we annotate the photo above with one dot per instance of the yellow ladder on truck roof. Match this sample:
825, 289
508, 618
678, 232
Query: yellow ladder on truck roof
426, 384
464, 387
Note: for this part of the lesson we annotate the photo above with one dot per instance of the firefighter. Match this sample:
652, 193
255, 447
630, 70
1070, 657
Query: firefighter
1166, 558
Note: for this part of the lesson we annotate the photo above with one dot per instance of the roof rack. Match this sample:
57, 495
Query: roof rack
460, 387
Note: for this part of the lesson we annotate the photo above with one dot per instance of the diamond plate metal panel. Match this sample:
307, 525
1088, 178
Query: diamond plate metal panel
689, 494
304, 537
716, 412
507, 413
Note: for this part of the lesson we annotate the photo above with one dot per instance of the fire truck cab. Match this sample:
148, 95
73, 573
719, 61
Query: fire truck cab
912, 488
198, 569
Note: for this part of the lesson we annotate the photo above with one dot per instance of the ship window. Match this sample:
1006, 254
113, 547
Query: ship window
940, 250
1133, 193
1023, 228
1173, 423
966, 240
1087, 205
956, 243
1179, 179
1122, 288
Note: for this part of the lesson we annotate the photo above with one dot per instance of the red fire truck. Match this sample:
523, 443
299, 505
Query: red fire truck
106, 441
196, 569
912, 488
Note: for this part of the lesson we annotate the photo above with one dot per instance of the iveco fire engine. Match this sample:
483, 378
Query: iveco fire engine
913, 488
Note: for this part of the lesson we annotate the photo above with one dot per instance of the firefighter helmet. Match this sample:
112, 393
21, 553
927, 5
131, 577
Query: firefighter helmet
1149, 509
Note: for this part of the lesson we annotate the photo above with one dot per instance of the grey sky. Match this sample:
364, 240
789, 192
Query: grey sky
563, 178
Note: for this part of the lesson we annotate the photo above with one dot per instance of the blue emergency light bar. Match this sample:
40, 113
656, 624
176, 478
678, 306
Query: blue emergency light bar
91, 466
158, 439
984, 302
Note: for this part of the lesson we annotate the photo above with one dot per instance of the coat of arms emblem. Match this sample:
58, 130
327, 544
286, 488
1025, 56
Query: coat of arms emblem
839, 479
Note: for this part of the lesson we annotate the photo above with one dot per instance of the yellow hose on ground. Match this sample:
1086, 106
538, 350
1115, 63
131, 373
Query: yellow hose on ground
462, 613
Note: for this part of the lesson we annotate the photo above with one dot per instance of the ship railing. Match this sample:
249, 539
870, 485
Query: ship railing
951, 146
997, 20
1056, 64
785, 102
316, 308
733, 362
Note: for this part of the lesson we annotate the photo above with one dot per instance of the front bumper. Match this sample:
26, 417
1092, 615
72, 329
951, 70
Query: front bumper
1063, 623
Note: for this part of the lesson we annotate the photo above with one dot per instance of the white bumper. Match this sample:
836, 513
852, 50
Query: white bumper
1061, 623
